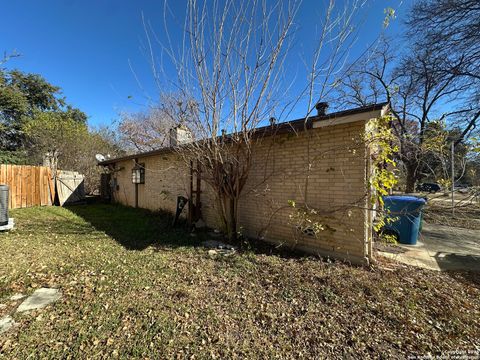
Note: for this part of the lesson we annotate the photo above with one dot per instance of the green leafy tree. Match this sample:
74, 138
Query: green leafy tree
23, 96
37, 126
59, 140
51, 136
13, 157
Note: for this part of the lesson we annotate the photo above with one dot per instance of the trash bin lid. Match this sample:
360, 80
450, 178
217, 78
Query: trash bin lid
402, 198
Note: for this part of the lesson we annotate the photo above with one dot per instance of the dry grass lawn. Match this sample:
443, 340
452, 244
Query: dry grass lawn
135, 288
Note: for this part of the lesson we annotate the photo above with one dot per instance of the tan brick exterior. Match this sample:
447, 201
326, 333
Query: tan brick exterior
166, 177
336, 187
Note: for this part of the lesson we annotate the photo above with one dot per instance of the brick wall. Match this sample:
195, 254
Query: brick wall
336, 187
166, 177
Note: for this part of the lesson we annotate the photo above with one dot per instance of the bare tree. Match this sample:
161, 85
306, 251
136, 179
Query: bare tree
149, 130
230, 66
235, 51
144, 131
7, 56
417, 87
452, 30
440, 70
452, 27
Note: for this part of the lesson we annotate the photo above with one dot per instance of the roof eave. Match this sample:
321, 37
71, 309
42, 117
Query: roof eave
336, 118
372, 112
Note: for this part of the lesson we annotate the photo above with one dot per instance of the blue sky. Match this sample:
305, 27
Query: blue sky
85, 46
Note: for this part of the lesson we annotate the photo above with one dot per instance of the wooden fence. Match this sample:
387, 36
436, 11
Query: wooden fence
29, 185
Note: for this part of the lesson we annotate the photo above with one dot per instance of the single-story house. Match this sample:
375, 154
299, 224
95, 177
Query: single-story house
323, 162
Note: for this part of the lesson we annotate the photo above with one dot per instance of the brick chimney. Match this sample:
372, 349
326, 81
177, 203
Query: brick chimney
180, 135
321, 108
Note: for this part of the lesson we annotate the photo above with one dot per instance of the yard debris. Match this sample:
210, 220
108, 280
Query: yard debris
6, 323
219, 248
300, 306
222, 252
39, 299
16, 297
215, 244
212, 252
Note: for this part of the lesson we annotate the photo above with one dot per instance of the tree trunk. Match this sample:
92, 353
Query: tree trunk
411, 177
229, 217
232, 220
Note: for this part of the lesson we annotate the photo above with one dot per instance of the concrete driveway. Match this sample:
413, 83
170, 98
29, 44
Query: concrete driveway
439, 248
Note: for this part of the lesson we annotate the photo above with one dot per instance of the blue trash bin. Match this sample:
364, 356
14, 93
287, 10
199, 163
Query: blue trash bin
405, 214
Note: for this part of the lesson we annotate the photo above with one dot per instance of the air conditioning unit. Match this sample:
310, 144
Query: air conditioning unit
3, 205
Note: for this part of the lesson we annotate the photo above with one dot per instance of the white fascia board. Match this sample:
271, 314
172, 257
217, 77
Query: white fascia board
351, 118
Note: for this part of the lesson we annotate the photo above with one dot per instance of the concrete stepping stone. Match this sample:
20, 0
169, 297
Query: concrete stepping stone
6, 323
39, 299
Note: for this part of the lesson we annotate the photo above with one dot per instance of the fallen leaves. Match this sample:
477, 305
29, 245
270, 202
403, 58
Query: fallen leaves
179, 302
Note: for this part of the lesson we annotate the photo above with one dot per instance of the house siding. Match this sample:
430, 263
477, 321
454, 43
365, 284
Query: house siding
336, 187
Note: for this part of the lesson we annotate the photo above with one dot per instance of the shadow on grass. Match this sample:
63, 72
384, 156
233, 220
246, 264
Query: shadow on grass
452, 261
470, 278
462, 267
135, 229
260, 247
